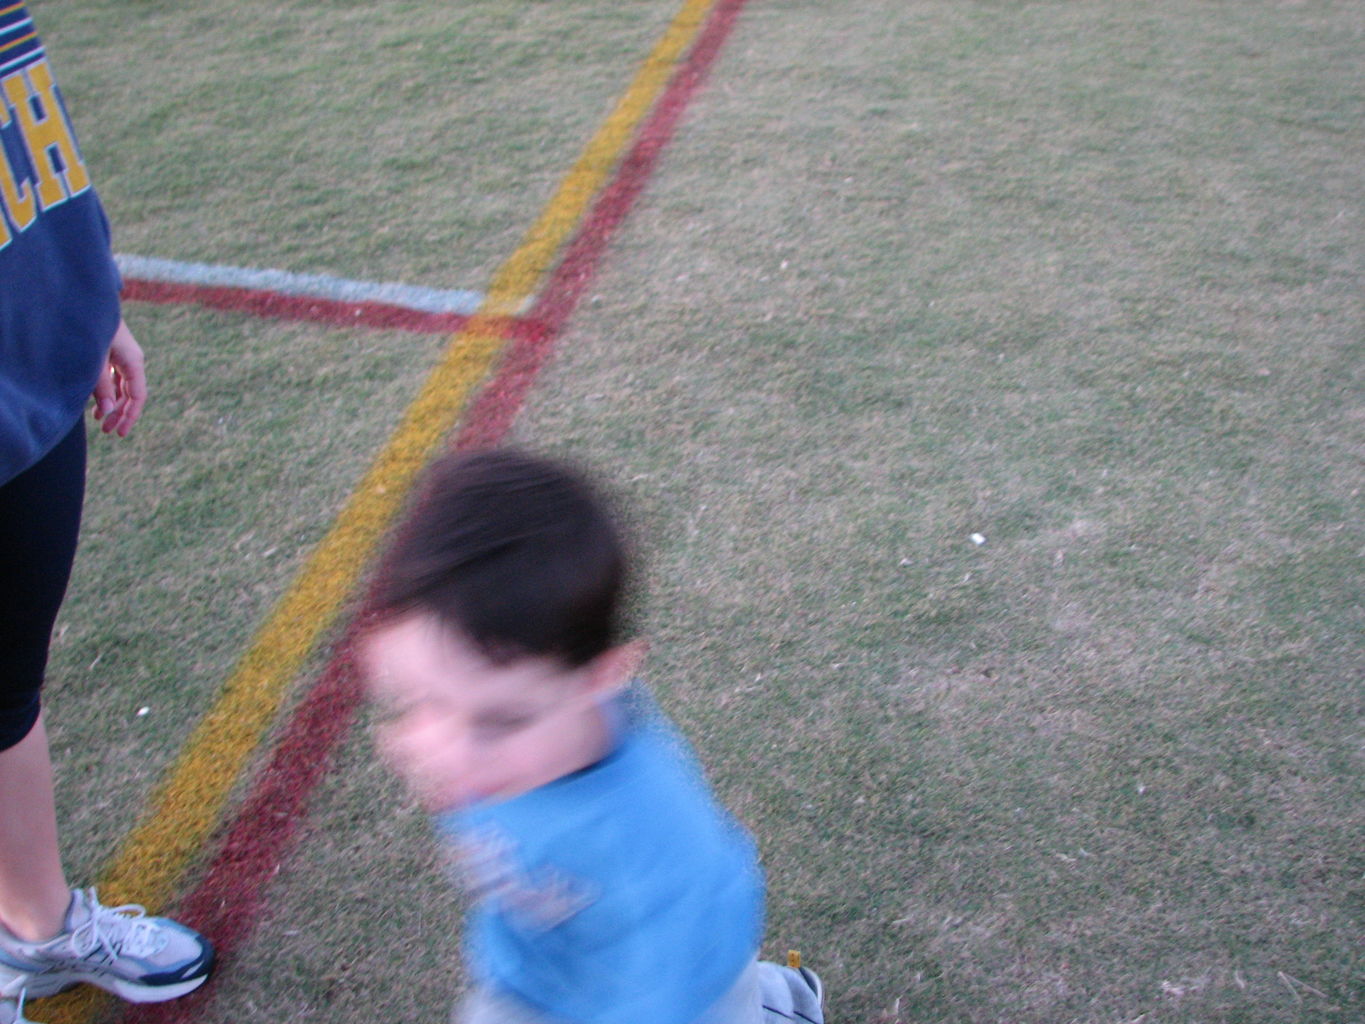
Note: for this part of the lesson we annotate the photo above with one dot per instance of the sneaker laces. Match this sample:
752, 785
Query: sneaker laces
116, 930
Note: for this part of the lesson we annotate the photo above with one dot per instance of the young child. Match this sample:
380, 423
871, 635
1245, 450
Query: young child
609, 886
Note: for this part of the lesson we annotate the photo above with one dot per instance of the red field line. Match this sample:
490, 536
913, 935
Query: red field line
583, 255
230, 899
280, 306
531, 342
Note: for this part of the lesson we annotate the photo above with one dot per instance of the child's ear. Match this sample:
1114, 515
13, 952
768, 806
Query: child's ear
614, 668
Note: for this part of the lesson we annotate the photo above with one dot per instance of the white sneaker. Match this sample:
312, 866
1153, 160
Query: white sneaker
142, 959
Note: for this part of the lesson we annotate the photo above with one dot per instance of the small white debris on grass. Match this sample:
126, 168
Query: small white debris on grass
143, 712
977, 539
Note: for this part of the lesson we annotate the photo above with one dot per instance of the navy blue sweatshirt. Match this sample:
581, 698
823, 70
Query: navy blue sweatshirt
59, 287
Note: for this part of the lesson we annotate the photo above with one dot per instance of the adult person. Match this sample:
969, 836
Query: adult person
62, 340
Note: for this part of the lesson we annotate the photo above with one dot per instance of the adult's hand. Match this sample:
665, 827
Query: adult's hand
121, 391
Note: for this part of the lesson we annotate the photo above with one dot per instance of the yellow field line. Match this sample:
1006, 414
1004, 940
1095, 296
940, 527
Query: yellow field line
152, 858
512, 284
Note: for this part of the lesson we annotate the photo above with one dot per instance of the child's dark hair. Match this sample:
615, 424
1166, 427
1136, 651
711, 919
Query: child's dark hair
516, 553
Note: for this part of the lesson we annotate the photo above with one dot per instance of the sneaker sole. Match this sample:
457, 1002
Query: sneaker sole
150, 993
39, 986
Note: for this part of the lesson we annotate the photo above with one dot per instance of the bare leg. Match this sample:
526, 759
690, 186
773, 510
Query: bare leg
34, 895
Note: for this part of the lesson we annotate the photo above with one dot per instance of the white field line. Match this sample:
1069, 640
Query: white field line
317, 286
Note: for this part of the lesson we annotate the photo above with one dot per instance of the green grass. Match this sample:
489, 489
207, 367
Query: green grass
382, 141
195, 523
1083, 279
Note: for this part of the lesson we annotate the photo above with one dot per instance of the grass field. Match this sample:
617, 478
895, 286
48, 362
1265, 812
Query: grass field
1084, 281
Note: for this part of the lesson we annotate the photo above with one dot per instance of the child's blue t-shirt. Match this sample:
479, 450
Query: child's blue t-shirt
621, 894
59, 286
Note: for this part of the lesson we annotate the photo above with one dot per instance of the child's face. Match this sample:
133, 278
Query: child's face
459, 728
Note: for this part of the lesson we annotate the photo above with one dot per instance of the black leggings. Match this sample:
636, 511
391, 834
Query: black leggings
40, 518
